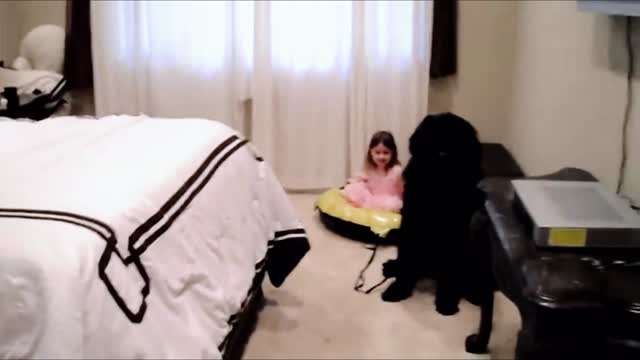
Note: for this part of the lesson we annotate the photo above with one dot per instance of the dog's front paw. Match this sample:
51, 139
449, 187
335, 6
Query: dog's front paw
390, 268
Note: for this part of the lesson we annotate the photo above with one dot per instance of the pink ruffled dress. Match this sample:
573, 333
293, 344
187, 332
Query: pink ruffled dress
376, 191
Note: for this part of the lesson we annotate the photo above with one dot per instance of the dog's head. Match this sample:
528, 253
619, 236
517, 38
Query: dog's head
446, 142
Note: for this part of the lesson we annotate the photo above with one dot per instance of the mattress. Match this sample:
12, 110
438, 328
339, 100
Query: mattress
134, 237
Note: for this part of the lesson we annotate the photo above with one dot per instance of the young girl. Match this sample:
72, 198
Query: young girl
380, 185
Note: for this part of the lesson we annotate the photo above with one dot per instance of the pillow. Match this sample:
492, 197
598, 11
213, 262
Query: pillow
42, 49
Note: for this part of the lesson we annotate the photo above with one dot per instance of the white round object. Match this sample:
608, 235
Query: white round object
43, 48
21, 64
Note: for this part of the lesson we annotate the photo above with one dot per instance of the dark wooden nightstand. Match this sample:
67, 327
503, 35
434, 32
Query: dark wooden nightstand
576, 303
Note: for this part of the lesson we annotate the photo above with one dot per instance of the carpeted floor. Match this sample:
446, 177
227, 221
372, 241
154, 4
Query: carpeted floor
317, 314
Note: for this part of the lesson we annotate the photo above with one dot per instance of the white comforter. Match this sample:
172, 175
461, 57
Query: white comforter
132, 237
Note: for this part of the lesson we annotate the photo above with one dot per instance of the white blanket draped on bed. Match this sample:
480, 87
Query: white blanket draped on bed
133, 237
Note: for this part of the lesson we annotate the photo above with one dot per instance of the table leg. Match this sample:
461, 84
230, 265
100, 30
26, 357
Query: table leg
478, 343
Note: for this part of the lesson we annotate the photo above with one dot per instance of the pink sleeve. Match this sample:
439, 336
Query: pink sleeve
397, 173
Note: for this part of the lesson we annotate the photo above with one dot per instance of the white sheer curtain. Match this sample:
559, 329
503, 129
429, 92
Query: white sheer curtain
316, 78
172, 58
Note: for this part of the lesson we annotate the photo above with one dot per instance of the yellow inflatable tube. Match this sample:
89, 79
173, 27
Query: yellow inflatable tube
332, 203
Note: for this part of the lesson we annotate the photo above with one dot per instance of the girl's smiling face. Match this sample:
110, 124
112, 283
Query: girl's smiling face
381, 155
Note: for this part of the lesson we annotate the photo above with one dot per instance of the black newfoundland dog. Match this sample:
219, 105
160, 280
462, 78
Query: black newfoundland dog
441, 195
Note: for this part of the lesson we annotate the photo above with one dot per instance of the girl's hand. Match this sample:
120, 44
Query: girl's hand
357, 178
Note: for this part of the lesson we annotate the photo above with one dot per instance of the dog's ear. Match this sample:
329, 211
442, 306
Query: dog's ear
447, 134
417, 139
433, 135
425, 138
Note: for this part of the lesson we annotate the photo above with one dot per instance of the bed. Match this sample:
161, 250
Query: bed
136, 237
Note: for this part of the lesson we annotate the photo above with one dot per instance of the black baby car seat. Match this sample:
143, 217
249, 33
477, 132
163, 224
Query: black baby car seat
35, 106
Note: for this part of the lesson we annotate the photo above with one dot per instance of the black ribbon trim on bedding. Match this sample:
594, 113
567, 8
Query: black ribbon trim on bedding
286, 250
253, 290
284, 253
257, 280
105, 232
285, 233
172, 203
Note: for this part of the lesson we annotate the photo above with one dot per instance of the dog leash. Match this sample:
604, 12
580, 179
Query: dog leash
360, 281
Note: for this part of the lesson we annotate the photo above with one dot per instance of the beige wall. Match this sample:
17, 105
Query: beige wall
17, 17
7, 34
37, 12
569, 93
539, 76
481, 90
548, 81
